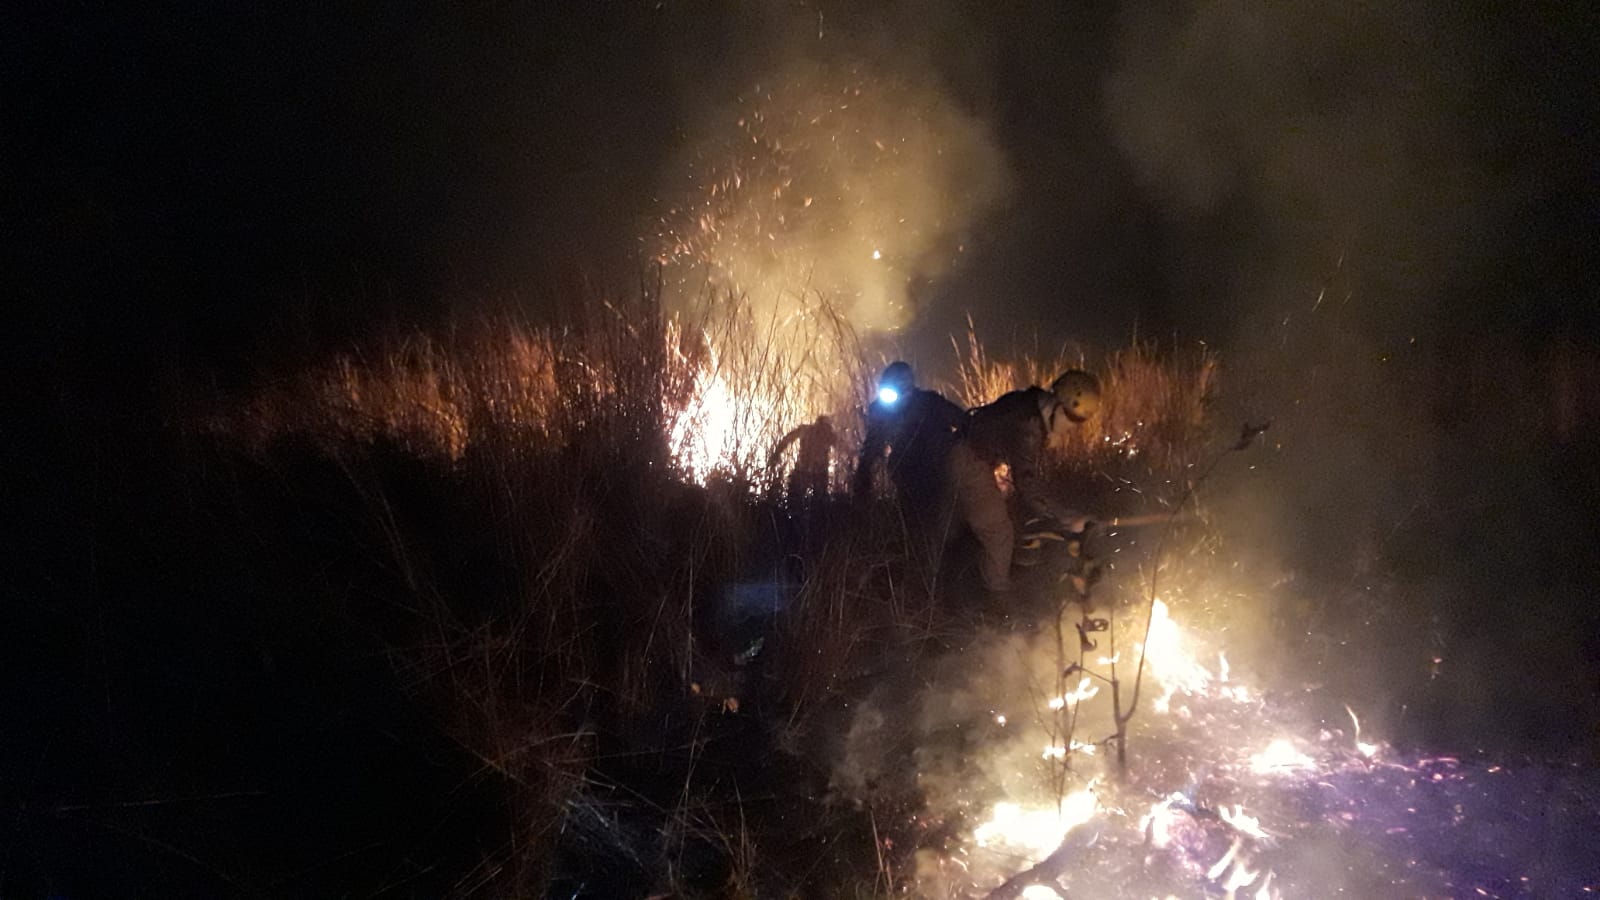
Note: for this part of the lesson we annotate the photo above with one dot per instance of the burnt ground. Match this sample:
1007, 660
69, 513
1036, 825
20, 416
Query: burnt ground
210, 692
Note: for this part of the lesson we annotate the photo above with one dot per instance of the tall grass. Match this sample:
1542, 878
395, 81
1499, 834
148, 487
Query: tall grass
1154, 402
611, 476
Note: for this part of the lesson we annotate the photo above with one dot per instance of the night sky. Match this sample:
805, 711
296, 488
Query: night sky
209, 176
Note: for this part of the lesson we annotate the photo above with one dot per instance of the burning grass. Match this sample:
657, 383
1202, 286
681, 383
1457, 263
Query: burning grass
611, 480
714, 394
607, 492
623, 459
700, 395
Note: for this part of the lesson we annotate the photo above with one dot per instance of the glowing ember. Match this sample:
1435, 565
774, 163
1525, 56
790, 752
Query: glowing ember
1085, 690
1366, 749
1190, 843
1226, 861
1157, 823
1280, 756
1244, 822
1057, 751
1035, 830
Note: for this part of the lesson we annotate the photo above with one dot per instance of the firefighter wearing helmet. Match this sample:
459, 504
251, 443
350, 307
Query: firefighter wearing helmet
911, 431
1016, 430
1077, 395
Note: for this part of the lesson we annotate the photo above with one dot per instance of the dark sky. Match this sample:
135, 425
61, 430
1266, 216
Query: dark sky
216, 178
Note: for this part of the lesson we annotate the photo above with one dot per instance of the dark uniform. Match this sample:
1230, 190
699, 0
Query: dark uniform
810, 474
914, 437
1010, 430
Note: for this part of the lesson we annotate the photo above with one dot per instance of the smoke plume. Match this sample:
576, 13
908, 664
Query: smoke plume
1342, 184
1316, 162
843, 172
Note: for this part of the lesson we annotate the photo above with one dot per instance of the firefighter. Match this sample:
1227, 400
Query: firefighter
1016, 430
809, 478
911, 431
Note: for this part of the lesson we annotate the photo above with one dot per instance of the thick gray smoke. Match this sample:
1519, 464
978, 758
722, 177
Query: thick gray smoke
1341, 182
1314, 161
1318, 132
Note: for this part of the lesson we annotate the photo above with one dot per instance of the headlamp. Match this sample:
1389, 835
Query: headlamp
888, 396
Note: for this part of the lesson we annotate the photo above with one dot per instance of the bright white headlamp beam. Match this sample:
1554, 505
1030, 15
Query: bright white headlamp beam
888, 396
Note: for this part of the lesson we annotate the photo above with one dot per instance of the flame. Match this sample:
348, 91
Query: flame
1035, 830
1171, 660
1175, 665
1057, 751
1244, 822
701, 430
733, 405
1084, 691
1157, 823
1183, 666
1226, 861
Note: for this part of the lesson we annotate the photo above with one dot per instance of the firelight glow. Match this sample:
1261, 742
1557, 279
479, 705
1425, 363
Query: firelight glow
1280, 756
702, 430
1035, 829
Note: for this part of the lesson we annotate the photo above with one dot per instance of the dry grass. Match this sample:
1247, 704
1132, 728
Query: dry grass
710, 395
1154, 406
576, 451
705, 393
